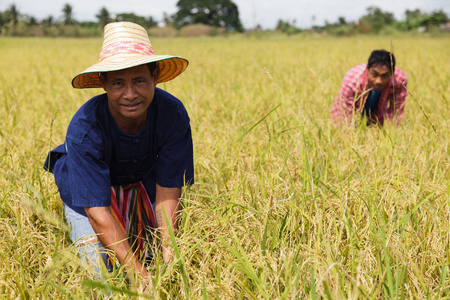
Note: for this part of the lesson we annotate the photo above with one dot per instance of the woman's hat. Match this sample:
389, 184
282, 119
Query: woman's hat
126, 45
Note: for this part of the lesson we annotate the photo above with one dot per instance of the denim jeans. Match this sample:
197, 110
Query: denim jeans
91, 251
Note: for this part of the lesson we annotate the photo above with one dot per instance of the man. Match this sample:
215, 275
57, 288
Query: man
376, 90
127, 153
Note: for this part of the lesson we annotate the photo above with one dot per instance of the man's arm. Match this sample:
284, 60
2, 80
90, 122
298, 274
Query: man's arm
169, 200
400, 92
344, 106
111, 235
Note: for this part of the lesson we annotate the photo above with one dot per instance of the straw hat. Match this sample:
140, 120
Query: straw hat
127, 45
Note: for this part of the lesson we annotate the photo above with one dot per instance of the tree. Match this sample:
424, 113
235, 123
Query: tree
376, 19
10, 18
103, 17
436, 18
219, 13
11, 15
68, 17
131, 17
3, 21
341, 21
32, 21
48, 21
414, 18
151, 22
168, 20
282, 25
287, 27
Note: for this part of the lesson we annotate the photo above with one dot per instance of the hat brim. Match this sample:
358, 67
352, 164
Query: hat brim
169, 68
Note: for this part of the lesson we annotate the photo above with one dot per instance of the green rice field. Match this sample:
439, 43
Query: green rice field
285, 206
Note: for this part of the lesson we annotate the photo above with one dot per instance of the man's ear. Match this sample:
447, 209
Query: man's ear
156, 75
102, 80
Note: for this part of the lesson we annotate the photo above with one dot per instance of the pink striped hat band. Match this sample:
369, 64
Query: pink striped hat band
125, 48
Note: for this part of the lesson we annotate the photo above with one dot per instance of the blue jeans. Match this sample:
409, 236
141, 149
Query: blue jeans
91, 251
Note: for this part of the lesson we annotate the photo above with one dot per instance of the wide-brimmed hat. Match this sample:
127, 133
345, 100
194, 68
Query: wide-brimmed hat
127, 45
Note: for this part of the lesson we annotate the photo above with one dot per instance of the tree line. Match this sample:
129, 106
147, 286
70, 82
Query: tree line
215, 13
376, 21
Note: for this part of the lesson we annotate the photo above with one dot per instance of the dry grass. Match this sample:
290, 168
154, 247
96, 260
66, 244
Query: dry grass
285, 205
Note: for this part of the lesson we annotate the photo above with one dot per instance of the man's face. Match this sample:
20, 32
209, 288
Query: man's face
130, 92
378, 76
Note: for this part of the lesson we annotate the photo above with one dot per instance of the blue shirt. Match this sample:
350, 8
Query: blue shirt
97, 154
371, 102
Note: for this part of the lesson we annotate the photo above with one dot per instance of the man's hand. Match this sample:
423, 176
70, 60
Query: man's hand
169, 199
111, 235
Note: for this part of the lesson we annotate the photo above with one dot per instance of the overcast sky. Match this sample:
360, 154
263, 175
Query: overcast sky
252, 12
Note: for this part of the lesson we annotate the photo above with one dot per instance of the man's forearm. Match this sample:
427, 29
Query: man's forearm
111, 235
167, 201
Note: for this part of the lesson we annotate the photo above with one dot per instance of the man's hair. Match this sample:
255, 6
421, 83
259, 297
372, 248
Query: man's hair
151, 67
381, 58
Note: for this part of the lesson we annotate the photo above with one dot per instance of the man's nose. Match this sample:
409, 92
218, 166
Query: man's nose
130, 92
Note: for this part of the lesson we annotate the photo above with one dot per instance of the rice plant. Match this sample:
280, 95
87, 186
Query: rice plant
285, 206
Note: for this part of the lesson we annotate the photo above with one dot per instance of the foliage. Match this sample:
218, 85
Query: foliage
436, 18
340, 28
103, 17
415, 19
32, 21
216, 13
287, 27
68, 15
12, 14
342, 21
9, 18
168, 20
285, 205
49, 21
219, 13
3, 21
131, 17
376, 19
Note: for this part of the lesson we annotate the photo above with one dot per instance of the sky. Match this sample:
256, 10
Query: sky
266, 13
